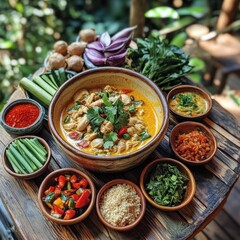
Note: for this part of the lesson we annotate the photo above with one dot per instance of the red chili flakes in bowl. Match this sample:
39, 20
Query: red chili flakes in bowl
194, 146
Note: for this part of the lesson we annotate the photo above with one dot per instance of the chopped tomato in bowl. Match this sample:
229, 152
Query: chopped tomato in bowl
67, 196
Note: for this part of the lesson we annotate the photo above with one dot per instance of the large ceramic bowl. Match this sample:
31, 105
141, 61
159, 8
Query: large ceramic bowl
104, 76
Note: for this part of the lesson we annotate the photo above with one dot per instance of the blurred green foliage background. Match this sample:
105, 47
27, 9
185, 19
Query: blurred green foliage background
29, 28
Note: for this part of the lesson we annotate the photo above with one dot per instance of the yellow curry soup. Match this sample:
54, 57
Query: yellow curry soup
188, 104
109, 120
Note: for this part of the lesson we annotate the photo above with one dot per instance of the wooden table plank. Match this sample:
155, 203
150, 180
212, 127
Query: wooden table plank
214, 181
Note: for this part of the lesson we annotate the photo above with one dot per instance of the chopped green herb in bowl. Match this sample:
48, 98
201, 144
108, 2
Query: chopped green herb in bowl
167, 184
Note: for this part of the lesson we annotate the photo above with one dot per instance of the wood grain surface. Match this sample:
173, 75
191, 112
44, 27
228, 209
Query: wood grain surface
214, 182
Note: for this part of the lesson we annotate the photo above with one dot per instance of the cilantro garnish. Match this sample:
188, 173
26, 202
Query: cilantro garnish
109, 139
94, 116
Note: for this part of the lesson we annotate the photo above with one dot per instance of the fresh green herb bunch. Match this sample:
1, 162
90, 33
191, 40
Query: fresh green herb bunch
167, 185
161, 62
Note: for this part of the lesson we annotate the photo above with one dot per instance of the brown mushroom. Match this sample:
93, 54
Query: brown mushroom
60, 47
75, 63
76, 48
56, 61
87, 35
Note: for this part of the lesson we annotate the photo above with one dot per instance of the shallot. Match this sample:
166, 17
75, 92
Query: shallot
108, 50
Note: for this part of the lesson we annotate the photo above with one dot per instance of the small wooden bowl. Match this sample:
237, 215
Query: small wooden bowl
193, 89
49, 181
139, 193
7, 166
31, 129
191, 186
186, 127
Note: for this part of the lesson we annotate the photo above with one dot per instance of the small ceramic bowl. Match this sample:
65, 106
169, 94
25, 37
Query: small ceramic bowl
191, 184
187, 127
190, 89
115, 183
7, 166
31, 129
49, 181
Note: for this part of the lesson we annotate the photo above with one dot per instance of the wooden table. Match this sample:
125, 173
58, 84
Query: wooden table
214, 182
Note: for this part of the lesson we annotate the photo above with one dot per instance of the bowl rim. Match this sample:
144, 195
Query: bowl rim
183, 88
175, 162
33, 174
19, 101
74, 150
45, 184
140, 194
197, 124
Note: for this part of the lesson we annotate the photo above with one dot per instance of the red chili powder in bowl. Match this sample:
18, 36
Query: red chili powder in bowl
22, 115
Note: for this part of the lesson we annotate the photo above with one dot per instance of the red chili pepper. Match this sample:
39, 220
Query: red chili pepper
83, 183
57, 190
122, 131
83, 144
69, 214
76, 185
125, 91
75, 197
82, 201
74, 135
49, 190
61, 181
57, 209
73, 179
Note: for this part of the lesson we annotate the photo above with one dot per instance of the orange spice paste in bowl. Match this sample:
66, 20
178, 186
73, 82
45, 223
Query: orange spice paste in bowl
22, 115
194, 146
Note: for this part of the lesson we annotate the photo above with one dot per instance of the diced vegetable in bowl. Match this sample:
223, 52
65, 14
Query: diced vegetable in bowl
67, 196
26, 157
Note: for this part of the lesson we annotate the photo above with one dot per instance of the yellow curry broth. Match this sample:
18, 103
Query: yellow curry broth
149, 117
188, 104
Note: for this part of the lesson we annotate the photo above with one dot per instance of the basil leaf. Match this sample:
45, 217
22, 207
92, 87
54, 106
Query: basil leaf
144, 135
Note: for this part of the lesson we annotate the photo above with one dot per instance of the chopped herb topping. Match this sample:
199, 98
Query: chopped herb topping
167, 185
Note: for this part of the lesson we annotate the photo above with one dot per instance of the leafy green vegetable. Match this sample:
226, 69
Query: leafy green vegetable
144, 135
109, 139
167, 185
67, 119
164, 64
111, 113
76, 106
132, 109
105, 99
121, 118
94, 116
